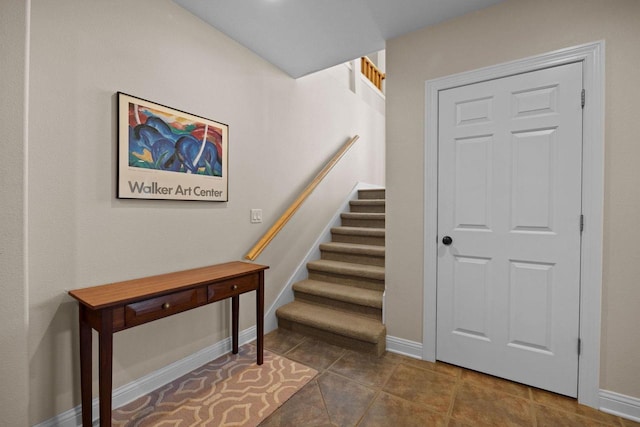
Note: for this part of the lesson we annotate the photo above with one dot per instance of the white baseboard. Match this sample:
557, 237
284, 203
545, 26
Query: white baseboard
620, 405
152, 381
405, 347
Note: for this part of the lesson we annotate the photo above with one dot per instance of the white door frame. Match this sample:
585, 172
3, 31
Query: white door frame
593, 57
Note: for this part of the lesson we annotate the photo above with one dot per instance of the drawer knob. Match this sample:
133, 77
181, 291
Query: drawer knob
166, 306
234, 287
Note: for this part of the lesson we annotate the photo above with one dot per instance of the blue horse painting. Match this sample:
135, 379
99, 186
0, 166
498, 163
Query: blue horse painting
174, 144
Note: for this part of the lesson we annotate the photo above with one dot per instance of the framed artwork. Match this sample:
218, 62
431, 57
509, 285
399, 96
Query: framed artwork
168, 154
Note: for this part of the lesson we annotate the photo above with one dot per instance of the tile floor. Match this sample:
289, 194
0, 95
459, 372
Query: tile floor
354, 389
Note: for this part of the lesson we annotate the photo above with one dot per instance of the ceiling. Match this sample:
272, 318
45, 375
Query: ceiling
303, 36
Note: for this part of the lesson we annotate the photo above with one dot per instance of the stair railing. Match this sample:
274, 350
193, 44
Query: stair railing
264, 241
372, 72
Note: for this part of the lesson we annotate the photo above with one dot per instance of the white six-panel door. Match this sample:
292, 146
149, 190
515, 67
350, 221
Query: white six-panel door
509, 197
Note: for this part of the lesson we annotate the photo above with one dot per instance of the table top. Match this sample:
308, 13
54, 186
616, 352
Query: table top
102, 296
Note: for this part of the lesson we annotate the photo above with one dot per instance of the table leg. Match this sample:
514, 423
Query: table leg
106, 367
235, 313
85, 366
260, 318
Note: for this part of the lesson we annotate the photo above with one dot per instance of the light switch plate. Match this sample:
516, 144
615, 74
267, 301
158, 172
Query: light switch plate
256, 216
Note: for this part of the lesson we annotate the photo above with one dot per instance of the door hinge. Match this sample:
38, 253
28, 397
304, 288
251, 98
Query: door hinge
582, 97
579, 346
581, 223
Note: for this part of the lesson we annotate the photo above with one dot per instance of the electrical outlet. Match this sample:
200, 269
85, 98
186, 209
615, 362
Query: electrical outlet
256, 216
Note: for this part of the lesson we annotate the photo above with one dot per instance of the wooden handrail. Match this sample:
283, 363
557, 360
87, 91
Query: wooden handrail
372, 72
286, 216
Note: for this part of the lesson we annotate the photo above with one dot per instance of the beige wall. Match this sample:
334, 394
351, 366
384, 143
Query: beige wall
13, 316
512, 30
281, 133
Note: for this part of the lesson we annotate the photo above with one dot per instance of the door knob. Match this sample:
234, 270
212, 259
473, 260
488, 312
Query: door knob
446, 240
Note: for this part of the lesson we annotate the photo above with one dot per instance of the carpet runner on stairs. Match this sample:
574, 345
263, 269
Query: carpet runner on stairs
341, 301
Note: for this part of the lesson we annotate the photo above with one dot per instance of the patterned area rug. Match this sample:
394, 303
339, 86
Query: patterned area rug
229, 391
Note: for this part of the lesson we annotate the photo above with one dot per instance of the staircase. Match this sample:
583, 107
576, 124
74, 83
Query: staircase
341, 301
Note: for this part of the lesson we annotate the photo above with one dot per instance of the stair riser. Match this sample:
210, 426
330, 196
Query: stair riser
363, 240
339, 340
360, 282
371, 312
354, 258
367, 223
371, 194
367, 208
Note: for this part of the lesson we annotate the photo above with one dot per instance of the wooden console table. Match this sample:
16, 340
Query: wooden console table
118, 306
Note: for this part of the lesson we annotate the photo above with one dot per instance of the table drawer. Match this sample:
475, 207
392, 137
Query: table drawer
162, 306
231, 287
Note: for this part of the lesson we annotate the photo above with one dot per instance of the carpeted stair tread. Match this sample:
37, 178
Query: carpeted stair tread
368, 202
359, 231
371, 193
335, 291
371, 206
363, 219
334, 321
353, 248
347, 268
363, 215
